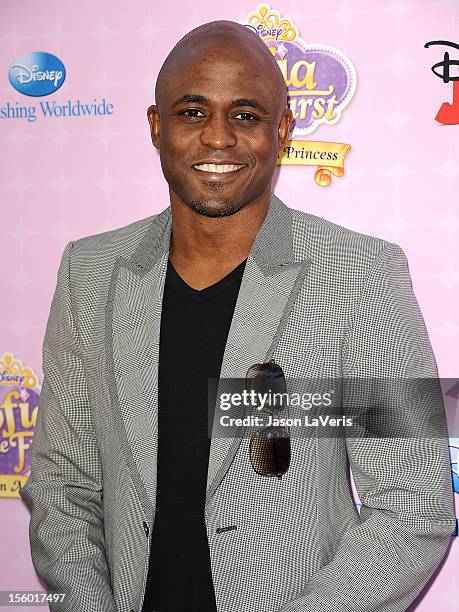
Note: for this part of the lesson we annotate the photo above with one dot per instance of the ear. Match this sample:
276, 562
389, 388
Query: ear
285, 125
153, 120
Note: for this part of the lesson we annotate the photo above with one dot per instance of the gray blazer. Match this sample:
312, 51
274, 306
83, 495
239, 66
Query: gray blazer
323, 301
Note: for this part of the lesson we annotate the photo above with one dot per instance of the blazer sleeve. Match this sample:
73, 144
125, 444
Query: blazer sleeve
64, 490
404, 483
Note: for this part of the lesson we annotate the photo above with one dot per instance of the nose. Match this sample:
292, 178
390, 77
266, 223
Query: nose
218, 133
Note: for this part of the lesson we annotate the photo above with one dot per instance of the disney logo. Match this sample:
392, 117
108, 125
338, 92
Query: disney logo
263, 32
37, 73
446, 63
25, 75
6, 377
448, 113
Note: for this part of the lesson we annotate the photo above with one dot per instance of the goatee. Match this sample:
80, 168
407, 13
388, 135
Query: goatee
210, 208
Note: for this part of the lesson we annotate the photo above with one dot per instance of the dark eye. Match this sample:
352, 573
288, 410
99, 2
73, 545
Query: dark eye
246, 116
192, 112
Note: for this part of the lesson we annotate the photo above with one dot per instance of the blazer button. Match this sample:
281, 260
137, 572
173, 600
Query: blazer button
223, 529
146, 528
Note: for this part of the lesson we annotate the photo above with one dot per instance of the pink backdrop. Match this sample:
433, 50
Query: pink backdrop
61, 179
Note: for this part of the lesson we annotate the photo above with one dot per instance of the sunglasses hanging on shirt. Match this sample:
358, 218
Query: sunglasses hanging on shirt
269, 448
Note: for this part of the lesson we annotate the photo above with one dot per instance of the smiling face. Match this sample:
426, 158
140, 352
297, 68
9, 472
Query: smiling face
219, 121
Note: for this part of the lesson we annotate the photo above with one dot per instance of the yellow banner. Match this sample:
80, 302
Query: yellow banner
327, 156
10, 485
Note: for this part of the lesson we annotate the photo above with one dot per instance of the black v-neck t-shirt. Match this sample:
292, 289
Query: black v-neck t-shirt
194, 330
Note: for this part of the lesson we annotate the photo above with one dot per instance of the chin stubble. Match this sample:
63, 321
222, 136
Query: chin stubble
204, 207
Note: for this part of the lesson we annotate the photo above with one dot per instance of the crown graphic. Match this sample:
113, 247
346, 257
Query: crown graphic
15, 369
265, 19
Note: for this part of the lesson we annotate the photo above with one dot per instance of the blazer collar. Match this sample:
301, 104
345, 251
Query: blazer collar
271, 248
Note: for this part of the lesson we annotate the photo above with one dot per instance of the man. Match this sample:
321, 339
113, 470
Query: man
132, 506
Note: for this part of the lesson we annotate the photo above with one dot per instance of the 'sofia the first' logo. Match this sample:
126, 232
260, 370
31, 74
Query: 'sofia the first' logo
37, 74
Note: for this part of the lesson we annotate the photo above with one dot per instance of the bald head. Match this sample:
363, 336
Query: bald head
220, 40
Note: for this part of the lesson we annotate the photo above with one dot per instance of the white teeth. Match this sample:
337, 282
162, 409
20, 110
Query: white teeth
220, 168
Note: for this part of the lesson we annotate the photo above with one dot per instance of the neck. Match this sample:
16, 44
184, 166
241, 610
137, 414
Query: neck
214, 241
205, 249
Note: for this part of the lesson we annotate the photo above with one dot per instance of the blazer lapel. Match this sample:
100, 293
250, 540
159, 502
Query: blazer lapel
133, 318
271, 281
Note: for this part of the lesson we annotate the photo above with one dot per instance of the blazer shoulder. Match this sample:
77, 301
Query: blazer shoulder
325, 241
93, 257
111, 244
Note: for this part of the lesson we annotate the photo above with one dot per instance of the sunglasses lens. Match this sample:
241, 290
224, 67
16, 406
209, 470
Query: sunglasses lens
270, 451
265, 378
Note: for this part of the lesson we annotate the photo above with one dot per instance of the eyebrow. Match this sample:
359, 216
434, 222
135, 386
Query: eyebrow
196, 99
